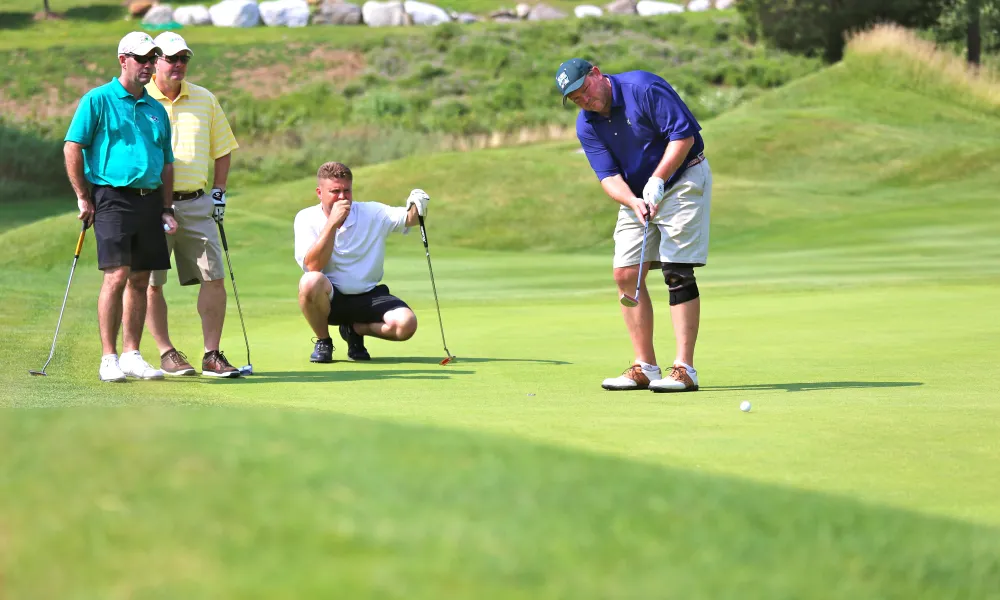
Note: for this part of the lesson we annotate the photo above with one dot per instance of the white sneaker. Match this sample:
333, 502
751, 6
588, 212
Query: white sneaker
681, 379
110, 371
133, 365
634, 378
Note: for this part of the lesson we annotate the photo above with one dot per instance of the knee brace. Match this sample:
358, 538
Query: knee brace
679, 278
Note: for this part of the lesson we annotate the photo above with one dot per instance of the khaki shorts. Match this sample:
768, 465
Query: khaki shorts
681, 224
195, 246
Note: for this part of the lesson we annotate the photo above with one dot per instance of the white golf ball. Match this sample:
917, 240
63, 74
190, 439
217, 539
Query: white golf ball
745, 406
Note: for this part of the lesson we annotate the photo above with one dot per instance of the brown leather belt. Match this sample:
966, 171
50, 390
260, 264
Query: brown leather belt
182, 196
697, 159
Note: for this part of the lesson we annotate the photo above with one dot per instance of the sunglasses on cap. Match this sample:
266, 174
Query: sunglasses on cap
178, 58
144, 59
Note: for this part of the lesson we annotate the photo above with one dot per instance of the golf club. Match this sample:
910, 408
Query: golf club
627, 300
76, 257
427, 251
246, 369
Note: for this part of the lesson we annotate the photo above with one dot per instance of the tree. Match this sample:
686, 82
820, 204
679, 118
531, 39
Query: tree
974, 35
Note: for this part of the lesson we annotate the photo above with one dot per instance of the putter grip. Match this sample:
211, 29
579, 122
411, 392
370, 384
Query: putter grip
222, 236
79, 242
423, 230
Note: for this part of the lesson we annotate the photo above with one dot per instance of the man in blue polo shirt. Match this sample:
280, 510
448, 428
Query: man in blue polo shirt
645, 147
119, 160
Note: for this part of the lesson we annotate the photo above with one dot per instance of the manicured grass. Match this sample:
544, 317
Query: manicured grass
850, 297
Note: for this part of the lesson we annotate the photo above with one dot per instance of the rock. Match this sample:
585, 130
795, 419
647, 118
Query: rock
334, 12
385, 14
699, 5
195, 14
284, 13
544, 12
502, 18
587, 10
724, 4
503, 13
465, 17
423, 13
138, 8
622, 7
522, 10
160, 14
235, 13
648, 8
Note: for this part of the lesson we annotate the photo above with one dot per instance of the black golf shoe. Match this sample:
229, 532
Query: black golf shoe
323, 353
355, 343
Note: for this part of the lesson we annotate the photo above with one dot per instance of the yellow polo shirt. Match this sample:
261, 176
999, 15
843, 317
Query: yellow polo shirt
201, 134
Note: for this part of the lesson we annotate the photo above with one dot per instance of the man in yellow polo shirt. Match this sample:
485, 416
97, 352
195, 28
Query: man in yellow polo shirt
202, 139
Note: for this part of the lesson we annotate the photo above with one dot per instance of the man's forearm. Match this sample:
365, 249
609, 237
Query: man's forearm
673, 158
73, 154
319, 255
221, 176
167, 177
616, 188
412, 216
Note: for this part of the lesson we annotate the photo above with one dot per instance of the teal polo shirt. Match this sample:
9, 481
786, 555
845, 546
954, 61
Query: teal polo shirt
125, 141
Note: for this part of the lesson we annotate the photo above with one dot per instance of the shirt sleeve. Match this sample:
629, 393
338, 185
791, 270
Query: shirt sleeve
600, 158
393, 218
85, 119
222, 140
305, 236
669, 112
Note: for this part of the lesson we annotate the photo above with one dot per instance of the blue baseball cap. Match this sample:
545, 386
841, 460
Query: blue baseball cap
570, 76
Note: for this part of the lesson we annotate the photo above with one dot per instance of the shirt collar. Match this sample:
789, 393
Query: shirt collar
121, 92
158, 95
617, 100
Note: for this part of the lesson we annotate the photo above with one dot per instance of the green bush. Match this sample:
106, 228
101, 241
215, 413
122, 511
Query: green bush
954, 21
818, 27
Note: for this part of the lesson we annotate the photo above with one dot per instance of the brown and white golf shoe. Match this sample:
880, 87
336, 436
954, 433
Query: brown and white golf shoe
633, 378
214, 364
175, 364
680, 379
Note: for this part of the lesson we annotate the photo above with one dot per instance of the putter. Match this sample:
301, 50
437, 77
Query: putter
246, 369
76, 257
631, 301
427, 251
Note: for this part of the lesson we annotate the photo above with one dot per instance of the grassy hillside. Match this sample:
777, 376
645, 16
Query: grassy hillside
850, 297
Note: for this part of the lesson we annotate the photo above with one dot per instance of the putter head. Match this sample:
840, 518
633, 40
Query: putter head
447, 360
37, 373
246, 370
629, 301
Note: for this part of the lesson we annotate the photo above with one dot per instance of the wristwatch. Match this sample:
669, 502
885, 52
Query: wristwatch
168, 210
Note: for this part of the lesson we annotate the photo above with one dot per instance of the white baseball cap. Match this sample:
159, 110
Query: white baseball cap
171, 43
137, 43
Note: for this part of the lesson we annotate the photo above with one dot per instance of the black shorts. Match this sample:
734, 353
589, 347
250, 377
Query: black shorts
370, 307
129, 229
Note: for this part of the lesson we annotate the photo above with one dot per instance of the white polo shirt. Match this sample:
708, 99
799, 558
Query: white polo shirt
357, 263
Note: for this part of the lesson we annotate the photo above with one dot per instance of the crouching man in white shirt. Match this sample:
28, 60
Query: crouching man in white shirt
340, 245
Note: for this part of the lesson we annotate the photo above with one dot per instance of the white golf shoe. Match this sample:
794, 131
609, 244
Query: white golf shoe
634, 378
682, 378
110, 371
133, 365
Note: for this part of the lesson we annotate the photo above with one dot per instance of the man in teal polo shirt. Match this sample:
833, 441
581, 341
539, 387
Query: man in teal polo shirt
119, 160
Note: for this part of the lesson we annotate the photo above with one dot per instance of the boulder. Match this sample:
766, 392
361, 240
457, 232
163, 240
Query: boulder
699, 5
465, 17
648, 8
522, 10
334, 12
194, 14
544, 12
724, 4
284, 13
138, 8
621, 7
160, 14
587, 10
235, 13
384, 14
423, 13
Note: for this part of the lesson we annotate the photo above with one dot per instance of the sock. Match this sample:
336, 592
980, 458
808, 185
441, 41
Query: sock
647, 366
107, 355
689, 368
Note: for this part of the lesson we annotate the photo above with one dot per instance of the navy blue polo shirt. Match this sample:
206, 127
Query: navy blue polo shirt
646, 114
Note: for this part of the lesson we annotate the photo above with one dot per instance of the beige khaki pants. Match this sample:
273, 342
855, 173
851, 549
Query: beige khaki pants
195, 246
681, 224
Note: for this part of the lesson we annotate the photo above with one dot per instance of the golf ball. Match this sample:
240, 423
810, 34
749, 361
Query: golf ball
745, 406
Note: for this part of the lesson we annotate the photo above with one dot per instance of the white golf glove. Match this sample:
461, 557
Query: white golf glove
420, 199
219, 200
653, 192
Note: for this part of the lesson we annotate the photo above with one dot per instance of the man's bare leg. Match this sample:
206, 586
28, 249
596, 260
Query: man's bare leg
134, 314
109, 307
212, 308
156, 318
314, 301
686, 318
638, 319
399, 325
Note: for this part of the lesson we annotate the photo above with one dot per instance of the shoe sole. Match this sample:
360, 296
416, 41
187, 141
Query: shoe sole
325, 362
230, 375
122, 380
656, 391
612, 388
182, 373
